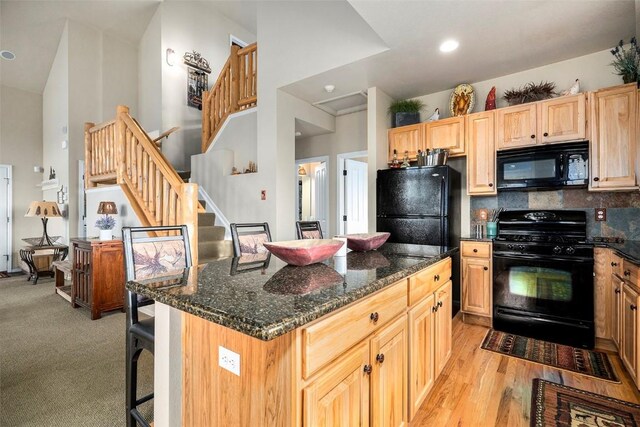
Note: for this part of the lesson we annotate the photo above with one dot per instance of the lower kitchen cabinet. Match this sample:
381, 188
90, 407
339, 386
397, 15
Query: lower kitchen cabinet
476, 278
421, 352
442, 327
615, 310
629, 318
340, 395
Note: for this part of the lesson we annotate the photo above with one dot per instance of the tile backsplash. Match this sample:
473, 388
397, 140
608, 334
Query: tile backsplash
623, 209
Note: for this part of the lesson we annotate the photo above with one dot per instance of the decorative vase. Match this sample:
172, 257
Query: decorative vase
492, 229
106, 235
404, 119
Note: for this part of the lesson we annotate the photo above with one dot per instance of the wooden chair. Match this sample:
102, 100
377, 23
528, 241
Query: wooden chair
248, 238
309, 229
147, 257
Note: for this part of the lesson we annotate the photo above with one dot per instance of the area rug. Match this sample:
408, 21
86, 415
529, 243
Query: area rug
559, 405
592, 363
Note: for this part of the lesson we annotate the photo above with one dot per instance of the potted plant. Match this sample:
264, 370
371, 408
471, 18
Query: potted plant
106, 224
405, 112
627, 61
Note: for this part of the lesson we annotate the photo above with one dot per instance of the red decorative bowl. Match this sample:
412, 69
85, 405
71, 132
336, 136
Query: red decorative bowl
366, 241
304, 252
291, 280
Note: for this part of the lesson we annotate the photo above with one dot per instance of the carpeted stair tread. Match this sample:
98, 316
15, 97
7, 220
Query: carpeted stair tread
206, 218
214, 249
207, 233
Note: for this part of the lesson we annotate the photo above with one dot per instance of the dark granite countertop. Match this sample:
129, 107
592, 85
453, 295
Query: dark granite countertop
629, 249
268, 299
477, 239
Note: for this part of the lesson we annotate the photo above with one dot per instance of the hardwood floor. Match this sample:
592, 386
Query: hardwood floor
482, 388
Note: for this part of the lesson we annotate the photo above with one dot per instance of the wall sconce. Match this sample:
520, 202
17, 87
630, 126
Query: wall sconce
302, 171
171, 57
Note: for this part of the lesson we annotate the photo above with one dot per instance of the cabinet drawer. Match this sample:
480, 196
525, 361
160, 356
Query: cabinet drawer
331, 336
630, 272
476, 249
616, 264
426, 281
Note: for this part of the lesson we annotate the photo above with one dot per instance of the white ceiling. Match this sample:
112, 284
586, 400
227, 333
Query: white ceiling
497, 38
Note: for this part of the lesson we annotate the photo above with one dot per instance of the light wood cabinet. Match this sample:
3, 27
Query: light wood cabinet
476, 278
446, 133
340, 395
562, 119
421, 352
517, 126
615, 309
442, 328
389, 375
481, 153
629, 320
406, 138
613, 115
602, 287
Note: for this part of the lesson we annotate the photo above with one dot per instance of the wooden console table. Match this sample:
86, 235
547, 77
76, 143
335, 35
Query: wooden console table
57, 253
98, 275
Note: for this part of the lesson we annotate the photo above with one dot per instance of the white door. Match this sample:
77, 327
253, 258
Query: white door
4, 218
320, 189
355, 197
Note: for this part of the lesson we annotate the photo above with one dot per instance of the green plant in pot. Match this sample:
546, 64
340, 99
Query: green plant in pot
627, 61
405, 112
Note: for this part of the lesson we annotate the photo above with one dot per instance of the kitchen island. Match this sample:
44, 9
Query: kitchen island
355, 340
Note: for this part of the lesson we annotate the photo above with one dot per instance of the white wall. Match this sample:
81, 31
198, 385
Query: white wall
19, 110
350, 136
126, 216
55, 118
377, 142
150, 57
188, 26
119, 76
593, 71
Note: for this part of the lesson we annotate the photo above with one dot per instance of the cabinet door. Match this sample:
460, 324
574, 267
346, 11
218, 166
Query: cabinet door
340, 394
481, 153
476, 286
516, 126
629, 319
442, 327
405, 138
447, 133
613, 138
421, 353
615, 310
388, 376
562, 119
602, 285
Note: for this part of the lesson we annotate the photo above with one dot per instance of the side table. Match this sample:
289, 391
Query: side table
59, 253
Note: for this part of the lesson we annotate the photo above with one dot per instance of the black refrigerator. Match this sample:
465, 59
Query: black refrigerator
415, 204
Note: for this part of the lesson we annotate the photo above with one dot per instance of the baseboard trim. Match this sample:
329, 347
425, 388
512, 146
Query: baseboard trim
474, 319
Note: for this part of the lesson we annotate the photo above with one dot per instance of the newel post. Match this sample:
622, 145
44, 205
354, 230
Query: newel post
235, 78
87, 154
206, 119
121, 134
189, 216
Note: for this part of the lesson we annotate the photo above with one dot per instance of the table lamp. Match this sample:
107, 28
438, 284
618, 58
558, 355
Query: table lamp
44, 210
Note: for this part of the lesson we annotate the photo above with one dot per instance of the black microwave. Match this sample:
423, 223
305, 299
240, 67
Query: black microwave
544, 167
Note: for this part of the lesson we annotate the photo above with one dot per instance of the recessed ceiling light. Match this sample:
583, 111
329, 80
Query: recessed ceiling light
8, 55
329, 88
449, 46
298, 133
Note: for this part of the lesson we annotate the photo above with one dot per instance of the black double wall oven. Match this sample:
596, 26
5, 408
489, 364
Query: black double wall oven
543, 277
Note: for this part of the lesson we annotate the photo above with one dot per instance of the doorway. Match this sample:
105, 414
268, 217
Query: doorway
312, 201
353, 193
5, 218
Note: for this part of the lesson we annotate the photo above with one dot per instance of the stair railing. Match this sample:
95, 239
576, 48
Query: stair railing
234, 90
120, 151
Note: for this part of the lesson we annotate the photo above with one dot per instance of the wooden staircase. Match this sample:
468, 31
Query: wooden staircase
234, 91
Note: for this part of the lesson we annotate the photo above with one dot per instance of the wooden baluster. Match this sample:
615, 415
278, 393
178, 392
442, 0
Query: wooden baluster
152, 177
251, 73
127, 150
167, 202
242, 73
139, 168
172, 207
145, 181
188, 215
234, 75
107, 160
87, 155
254, 87
159, 204
206, 124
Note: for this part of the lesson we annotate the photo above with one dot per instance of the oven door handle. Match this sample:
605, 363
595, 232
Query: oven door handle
542, 257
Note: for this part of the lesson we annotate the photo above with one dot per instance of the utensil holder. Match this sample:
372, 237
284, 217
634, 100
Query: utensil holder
492, 229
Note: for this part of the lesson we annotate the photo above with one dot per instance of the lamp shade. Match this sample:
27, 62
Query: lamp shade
107, 208
43, 209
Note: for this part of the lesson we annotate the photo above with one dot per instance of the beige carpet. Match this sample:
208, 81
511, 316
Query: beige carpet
57, 366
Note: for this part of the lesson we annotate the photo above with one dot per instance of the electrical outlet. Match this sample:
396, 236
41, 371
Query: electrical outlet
601, 214
263, 195
229, 360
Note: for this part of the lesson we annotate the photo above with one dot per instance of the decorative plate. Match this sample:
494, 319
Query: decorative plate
462, 100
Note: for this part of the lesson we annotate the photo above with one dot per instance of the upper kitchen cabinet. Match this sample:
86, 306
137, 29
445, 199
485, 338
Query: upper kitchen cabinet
516, 126
447, 133
613, 115
562, 119
405, 138
481, 152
